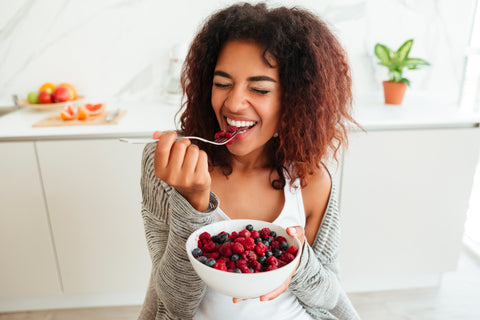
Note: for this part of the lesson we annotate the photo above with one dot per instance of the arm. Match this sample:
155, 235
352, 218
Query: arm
169, 219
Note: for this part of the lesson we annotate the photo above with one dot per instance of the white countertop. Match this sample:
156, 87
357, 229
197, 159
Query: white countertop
141, 120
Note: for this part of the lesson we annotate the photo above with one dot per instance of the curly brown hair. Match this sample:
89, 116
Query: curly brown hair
314, 76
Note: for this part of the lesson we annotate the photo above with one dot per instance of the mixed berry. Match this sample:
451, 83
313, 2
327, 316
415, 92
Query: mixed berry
247, 251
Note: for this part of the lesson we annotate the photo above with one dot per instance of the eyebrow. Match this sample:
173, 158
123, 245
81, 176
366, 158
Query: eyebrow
255, 78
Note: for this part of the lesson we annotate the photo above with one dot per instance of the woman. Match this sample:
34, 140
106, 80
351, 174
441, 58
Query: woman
283, 77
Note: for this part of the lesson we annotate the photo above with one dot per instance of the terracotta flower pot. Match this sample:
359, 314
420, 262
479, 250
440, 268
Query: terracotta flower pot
394, 92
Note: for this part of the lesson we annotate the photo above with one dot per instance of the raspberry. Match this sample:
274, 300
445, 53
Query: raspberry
245, 269
205, 236
254, 234
271, 267
249, 243
256, 266
239, 239
234, 235
287, 257
209, 247
241, 263
200, 244
219, 134
281, 239
226, 249
249, 255
245, 233
275, 244
220, 266
230, 265
238, 248
293, 250
213, 255
272, 261
261, 248
264, 232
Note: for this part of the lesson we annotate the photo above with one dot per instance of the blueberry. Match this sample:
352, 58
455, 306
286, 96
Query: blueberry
273, 234
249, 227
251, 270
235, 257
262, 259
267, 242
215, 239
236, 270
283, 245
202, 259
257, 240
222, 238
197, 252
268, 253
210, 262
277, 252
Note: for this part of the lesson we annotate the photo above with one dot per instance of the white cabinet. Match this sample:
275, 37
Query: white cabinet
27, 259
403, 203
92, 188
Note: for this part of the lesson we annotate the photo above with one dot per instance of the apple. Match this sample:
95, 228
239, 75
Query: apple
33, 97
61, 94
45, 96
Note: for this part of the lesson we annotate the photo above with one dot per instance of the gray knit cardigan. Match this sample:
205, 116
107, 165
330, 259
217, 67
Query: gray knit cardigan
169, 219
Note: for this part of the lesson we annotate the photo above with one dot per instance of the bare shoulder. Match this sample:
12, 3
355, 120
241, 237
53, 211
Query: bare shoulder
315, 199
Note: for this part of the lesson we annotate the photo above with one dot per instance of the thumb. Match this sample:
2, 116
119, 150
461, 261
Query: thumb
297, 232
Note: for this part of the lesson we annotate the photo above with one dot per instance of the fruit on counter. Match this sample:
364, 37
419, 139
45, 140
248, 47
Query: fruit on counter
45, 96
61, 94
70, 88
82, 113
33, 97
67, 113
47, 86
95, 109
51, 93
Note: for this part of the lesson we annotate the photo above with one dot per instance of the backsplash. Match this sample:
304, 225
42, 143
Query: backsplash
120, 49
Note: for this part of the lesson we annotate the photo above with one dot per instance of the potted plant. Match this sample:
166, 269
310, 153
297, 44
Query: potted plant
395, 61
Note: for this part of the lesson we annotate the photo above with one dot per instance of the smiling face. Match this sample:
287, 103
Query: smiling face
246, 92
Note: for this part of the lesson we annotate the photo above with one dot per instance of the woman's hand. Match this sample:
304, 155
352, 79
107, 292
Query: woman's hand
184, 166
299, 233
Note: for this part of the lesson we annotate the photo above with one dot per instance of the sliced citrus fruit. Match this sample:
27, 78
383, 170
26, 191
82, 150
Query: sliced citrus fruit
73, 91
67, 113
95, 109
82, 113
47, 86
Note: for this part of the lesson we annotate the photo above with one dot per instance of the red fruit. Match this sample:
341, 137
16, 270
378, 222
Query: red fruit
241, 263
233, 235
293, 250
245, 269
220, 266
281, 239
249, 243
238, 248
257, 266
261, 248
287, 257
209, 247
45, 96
271, 267
272, 261
61, 94
244, 233
226, 249
255, 234
249, 255
205, 236
264, 232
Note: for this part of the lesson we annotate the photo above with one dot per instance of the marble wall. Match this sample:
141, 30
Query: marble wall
120, 48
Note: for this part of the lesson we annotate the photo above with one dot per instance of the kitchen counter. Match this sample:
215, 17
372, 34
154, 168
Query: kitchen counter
141, 120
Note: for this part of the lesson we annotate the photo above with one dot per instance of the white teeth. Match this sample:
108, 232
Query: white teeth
235, 123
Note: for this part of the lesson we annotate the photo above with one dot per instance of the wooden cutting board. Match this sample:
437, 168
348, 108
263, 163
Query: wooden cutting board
54, 120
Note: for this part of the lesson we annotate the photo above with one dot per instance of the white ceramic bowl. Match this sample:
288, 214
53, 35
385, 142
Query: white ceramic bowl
242, 285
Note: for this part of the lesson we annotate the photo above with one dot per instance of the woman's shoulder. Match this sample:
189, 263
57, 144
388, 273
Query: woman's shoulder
316, 197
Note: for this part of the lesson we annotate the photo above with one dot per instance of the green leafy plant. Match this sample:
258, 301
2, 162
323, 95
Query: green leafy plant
395, 61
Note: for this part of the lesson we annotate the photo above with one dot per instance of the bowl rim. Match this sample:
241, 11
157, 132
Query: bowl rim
255, 274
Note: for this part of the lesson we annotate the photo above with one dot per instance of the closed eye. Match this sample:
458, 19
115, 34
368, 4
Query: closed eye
221, 85
261, 91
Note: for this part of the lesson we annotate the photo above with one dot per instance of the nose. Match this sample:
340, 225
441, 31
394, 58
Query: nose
237, 99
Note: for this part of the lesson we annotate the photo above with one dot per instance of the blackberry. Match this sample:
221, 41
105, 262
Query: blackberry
249, 227
262, 259
277, 252
202, 259
283, 245
235, 257
197, 252
210, 262
273, 234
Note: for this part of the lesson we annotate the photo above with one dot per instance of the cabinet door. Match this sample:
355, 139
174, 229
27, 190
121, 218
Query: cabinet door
403, 204
93, 192
27, 258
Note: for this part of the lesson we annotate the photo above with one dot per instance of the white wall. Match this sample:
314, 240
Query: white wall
120, 48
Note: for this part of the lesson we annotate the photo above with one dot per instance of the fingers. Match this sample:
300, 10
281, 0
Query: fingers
297, 232
275, 293
237, 300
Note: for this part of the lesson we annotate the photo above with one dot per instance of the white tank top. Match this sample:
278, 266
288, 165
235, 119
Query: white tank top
286, 306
